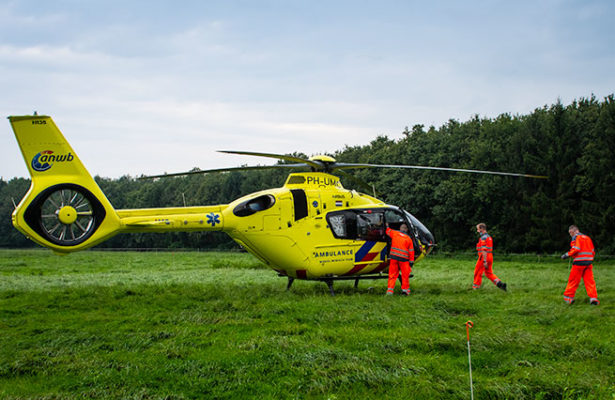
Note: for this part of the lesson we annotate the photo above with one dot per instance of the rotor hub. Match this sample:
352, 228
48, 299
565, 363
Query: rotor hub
67, 215
323, 158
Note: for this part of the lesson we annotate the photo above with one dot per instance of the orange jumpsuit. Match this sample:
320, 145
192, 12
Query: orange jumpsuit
402, 258
582, 253
485, 244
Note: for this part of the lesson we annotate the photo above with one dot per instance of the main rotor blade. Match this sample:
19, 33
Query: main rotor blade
277, 156
370, 189
474, 171
206, 171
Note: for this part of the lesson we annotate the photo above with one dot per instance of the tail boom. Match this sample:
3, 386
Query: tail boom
207, 218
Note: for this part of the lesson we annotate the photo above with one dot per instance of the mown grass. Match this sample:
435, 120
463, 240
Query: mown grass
220, 325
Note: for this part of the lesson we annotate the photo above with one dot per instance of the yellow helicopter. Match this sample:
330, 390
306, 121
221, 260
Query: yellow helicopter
311, 228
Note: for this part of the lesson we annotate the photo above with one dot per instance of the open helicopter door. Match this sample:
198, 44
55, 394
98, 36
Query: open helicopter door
395, 218
366, 228
422, 235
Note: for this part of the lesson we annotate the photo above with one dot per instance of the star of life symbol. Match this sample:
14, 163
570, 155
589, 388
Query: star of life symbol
213, 219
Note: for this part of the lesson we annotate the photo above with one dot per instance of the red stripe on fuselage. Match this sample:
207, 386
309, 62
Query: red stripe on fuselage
383, 265
369, 257
356, 269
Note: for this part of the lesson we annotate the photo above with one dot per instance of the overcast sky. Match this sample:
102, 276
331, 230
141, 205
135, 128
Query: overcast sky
145, 87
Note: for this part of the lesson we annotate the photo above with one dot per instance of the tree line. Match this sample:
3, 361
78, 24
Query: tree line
574, 145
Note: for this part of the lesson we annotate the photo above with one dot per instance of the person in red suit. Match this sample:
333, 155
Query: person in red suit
401, 258
582, 253
484, 264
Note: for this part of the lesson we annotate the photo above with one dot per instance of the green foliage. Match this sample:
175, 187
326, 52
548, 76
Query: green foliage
11, 193
574, 145
128, 325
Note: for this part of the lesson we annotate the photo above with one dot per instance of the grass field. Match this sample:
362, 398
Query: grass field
220, 325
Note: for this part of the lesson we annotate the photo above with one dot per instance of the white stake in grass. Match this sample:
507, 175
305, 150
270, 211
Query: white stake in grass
469, 325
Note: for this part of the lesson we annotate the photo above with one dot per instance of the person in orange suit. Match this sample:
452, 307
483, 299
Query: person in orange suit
401, 259
484, 264
582, 253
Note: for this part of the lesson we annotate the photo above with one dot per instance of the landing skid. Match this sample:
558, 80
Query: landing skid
329, 280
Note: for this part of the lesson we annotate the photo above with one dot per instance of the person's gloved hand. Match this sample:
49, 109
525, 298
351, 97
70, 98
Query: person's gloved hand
564, 256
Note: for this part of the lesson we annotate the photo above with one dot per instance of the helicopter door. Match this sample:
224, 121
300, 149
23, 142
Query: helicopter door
370, 226
365, 225
286, 204
395, 219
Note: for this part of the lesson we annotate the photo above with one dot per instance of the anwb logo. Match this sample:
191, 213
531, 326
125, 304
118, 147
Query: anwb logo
45, 159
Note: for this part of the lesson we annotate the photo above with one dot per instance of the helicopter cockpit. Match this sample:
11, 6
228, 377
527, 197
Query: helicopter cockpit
369, 224
421, 232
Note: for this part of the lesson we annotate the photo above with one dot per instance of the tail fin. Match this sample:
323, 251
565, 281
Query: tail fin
64, 208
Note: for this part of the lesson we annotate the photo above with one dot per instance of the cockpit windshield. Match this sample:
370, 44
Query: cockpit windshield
425, 236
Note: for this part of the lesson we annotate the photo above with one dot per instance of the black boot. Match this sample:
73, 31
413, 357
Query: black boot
501, 285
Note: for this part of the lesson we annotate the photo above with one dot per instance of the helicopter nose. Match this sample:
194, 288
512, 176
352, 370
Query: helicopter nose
425, 236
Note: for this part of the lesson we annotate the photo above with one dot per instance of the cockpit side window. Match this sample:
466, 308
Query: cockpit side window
394, 219
343, 224
370, 226
254, 205
357, 224
338, 225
